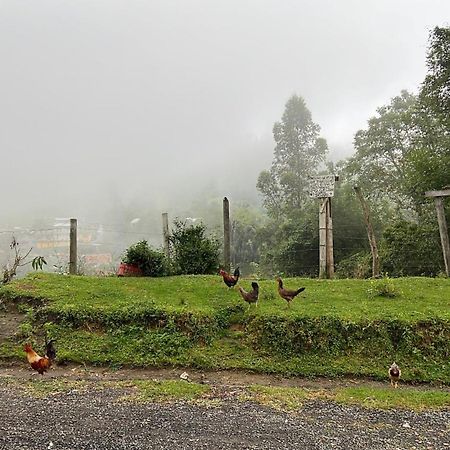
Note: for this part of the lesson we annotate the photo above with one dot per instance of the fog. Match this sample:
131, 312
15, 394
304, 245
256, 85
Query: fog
114, 105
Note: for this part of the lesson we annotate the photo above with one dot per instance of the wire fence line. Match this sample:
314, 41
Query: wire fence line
101, 248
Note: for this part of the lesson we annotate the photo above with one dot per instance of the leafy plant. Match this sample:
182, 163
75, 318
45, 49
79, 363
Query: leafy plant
383, 287
193, 252
151, 262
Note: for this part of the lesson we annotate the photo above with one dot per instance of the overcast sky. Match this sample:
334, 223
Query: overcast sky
104, 101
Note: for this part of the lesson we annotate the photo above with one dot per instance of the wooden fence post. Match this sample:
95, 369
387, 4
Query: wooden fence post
165, 221
443, 230
226, 234
73, 247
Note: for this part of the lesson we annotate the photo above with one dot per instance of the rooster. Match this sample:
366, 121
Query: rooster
394, 374
230, 280
41, 363
251, 296
287, 294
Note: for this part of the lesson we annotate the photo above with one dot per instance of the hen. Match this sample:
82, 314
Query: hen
394, 374
287, 294
251, 296
41, 363
228, 279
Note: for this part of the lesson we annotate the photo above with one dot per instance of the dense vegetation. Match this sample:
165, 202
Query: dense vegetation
339, 327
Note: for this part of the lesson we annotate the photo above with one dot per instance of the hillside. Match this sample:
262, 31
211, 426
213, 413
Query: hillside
334, 328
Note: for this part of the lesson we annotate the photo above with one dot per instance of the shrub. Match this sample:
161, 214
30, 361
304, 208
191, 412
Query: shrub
383, 287
410, 249
152, 263
358, 265
193, 252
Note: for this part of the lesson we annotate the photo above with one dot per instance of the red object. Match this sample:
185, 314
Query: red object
128, 270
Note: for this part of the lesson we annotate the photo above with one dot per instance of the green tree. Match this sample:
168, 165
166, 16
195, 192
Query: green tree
382, 150
297, 155
428, 165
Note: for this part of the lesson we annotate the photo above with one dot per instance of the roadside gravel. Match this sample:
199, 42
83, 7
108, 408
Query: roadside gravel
98, 419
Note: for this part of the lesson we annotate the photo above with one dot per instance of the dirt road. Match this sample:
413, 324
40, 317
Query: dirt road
98, 419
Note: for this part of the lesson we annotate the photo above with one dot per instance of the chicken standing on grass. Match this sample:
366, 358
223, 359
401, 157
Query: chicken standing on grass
251, 296
41, 363
287, 294
230, 280
394, 374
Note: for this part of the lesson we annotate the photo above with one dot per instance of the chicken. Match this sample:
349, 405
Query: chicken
251, 296
394, 374
41, 363
230, 280
287, 294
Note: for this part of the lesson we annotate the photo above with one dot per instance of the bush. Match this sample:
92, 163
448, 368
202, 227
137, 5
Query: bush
409, 249
358, 265
383, 287
152, 263
193, 252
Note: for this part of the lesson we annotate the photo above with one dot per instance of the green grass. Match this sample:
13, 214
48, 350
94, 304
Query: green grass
291, 399
334, 328
166, 390
346, 299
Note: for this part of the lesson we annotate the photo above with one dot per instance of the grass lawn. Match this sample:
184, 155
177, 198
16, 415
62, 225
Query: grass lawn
335, 327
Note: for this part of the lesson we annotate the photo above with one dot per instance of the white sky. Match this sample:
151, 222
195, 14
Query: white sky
155, 100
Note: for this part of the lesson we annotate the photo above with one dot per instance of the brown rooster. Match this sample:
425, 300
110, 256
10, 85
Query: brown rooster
230, 280
287, 294
41, 363
394, 374
251, 296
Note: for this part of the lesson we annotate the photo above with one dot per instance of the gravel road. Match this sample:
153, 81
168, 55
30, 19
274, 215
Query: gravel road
97, 419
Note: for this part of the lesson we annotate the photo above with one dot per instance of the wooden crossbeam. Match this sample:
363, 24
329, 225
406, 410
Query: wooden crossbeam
441, 193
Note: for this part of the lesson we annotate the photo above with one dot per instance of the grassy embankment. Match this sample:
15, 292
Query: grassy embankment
334, 328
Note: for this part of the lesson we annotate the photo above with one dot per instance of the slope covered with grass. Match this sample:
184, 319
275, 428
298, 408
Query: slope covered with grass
335, 327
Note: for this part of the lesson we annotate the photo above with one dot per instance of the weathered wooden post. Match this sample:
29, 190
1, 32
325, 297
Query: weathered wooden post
165, 222
73, 247
370, 233
443, 230
226, 234
322, 187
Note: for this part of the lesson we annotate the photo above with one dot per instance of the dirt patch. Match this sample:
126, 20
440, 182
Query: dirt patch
213, 378
9, 324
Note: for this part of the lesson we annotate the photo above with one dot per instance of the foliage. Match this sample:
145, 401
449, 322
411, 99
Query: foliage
379, 164
38, 262
383, 287
334, 329
409, 248
192, 251
358, 265
151, 262
298, 153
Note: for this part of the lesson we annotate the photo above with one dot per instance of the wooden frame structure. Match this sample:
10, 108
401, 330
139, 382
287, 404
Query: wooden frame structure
443, 230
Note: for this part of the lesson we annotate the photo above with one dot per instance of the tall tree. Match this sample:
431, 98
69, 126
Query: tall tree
429, 163
298, 153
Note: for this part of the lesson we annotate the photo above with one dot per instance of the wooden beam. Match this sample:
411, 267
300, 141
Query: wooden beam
165, 222
443, 231
441, 193
226, 234
73, 247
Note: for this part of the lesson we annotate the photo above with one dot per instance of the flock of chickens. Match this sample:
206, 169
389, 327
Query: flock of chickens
42, 363
252, 296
